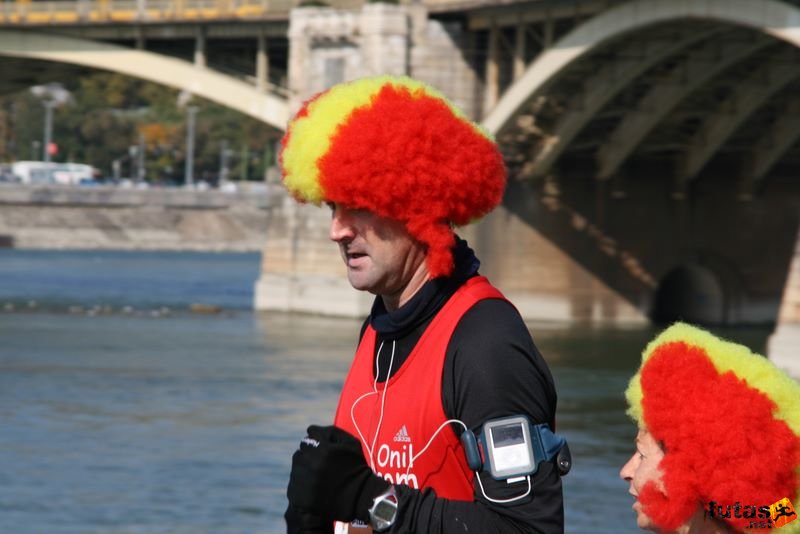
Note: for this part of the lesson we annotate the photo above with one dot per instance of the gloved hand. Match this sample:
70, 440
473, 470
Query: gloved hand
299, 522
330, 477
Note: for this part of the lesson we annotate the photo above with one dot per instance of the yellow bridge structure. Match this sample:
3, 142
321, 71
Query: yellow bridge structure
28, 13
76, 12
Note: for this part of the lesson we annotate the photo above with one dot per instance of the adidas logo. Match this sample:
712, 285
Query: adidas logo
402, 435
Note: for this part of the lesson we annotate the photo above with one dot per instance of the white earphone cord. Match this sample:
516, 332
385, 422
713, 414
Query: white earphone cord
371, 448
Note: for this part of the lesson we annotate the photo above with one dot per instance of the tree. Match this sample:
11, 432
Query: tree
106, 116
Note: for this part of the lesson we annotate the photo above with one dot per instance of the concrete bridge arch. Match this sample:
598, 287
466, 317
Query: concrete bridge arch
773, 20
658, 132
225, 90
690, 293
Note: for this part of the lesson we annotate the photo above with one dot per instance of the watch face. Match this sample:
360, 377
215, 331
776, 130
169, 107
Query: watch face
385, 510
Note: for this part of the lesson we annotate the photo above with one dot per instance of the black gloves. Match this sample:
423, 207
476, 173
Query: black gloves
298, 522
330, 478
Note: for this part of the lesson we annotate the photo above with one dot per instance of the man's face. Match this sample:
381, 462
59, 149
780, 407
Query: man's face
380, 255
641, 469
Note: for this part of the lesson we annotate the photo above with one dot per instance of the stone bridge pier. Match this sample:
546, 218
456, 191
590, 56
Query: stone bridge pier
556, 262
303, 272
784, 344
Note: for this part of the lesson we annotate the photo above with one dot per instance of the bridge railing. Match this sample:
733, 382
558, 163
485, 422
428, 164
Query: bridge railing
75, 12
70, 12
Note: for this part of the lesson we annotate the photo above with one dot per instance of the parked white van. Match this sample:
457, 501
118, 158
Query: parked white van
41, 172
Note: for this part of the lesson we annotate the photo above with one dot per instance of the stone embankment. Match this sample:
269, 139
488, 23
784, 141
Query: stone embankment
68, 217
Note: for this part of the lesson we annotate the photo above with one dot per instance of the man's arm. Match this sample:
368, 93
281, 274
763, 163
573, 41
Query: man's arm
540, 512
492, 370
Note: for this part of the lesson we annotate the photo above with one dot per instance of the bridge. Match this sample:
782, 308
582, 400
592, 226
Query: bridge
652, 144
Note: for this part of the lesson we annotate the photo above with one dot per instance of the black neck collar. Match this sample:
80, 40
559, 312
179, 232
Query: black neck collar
428, 300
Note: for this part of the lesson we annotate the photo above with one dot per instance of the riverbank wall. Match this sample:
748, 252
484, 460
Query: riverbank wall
64, 217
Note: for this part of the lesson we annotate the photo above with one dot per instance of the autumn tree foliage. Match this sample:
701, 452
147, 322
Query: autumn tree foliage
109, 116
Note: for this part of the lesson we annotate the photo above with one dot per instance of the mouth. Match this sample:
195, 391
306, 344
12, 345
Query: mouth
353, 259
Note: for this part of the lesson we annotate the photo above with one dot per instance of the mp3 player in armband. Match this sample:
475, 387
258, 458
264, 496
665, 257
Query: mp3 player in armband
511, 447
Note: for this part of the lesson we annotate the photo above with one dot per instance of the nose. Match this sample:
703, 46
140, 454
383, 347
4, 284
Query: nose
627, 471
341, 229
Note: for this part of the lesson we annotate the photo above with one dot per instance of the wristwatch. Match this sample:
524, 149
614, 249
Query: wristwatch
383, 511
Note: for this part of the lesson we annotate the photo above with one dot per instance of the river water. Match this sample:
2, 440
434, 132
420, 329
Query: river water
123, 412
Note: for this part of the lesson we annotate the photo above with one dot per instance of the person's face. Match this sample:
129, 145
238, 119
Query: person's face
380, 255
642, 468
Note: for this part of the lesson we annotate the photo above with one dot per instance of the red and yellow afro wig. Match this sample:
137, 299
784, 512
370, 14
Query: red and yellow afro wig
729, 422
400, 149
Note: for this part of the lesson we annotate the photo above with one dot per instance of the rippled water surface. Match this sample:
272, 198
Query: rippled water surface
122, 412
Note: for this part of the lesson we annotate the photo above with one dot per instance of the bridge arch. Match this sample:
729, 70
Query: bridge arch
690, 293
214, 86
768, 18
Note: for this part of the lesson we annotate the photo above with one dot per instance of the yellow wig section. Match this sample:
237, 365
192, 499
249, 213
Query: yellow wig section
310, 136
757, 371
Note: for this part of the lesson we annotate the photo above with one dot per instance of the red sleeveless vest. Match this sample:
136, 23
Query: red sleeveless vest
413, 408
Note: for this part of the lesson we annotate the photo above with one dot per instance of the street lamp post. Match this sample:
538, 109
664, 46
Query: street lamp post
191, 111
116, 169
224, 163
49, 105
52, 95
35, 147
133, 157
140, 169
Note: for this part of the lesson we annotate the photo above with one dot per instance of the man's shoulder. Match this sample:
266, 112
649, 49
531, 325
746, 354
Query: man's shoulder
491, 316
493, 367
491, 327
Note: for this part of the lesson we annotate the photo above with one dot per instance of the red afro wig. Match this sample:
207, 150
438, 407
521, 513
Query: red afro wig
399, 149
729, 422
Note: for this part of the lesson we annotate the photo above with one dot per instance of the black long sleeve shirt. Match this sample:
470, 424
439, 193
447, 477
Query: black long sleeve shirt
492, 369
